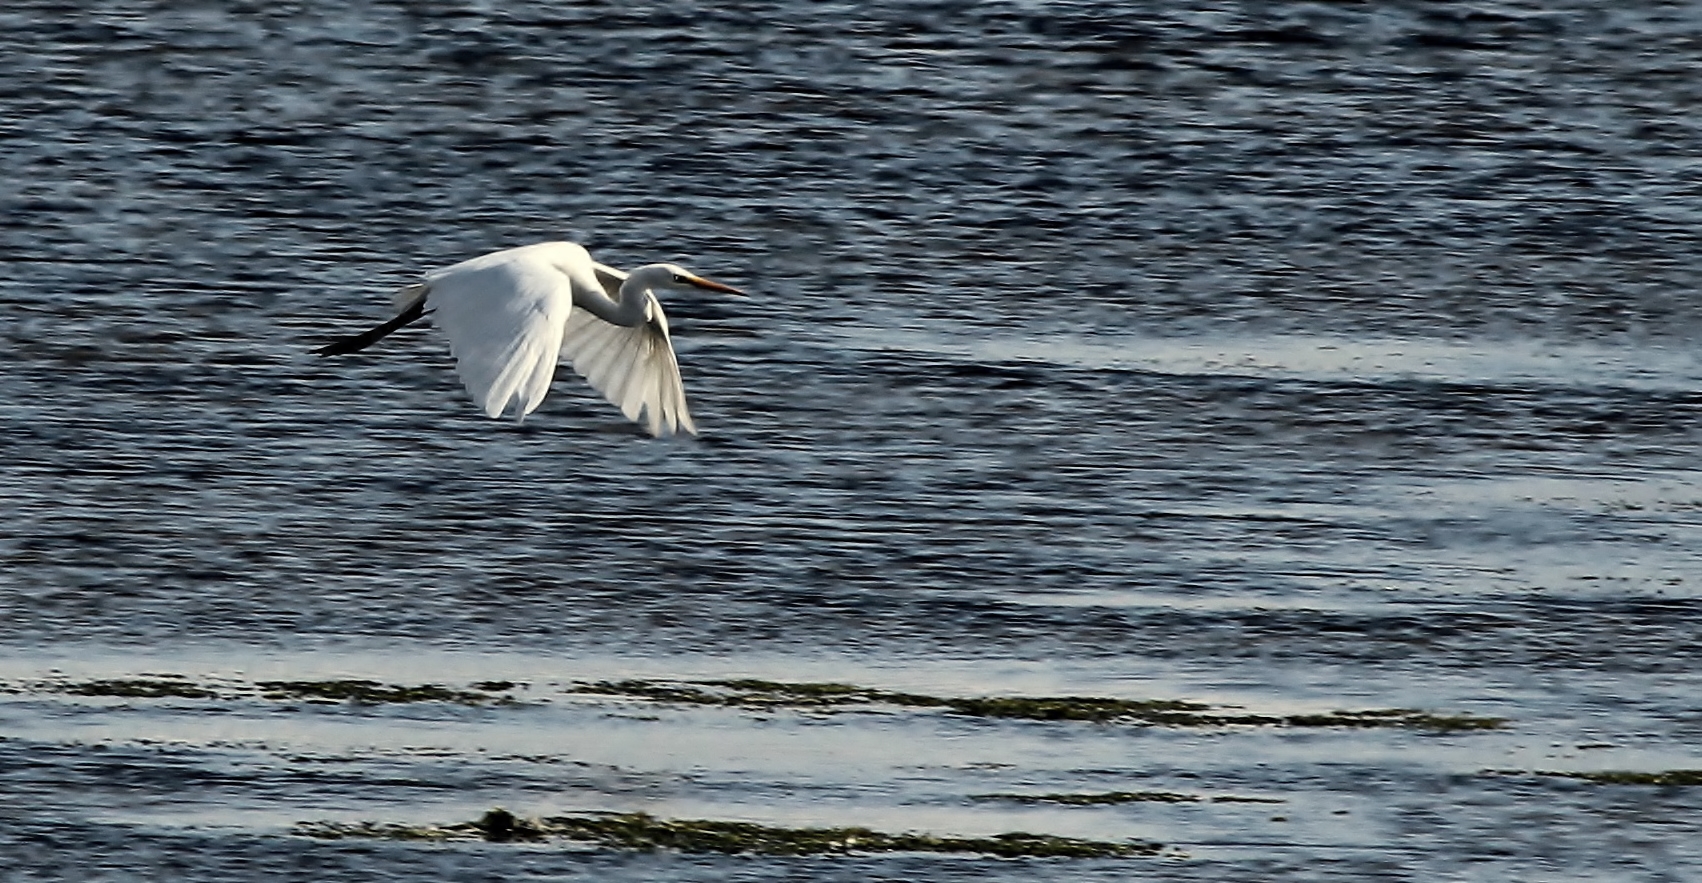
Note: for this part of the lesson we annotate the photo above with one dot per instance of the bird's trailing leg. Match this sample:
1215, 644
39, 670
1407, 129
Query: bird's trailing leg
357, 342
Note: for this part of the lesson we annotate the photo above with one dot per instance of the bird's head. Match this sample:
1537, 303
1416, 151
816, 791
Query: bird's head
676, 276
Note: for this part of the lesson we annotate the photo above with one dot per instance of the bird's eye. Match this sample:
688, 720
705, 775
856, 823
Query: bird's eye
680, 279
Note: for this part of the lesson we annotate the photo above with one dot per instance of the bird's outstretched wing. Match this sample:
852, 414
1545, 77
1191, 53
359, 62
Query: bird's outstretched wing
504, 322
610, 278
633, 367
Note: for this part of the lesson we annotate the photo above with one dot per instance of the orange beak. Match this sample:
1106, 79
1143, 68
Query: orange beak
701, 282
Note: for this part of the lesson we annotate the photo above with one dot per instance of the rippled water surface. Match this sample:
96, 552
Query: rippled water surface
1286, 357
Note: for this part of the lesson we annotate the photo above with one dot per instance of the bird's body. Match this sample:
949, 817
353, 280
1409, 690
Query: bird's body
511, 315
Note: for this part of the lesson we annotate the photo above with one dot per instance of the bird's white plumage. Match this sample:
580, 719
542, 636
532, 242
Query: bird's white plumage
632, 366
504, 321
512, 314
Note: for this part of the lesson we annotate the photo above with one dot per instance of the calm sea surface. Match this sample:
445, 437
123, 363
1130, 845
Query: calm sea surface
1286, 357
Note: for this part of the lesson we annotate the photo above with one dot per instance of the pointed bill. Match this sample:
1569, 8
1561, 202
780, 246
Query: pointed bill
711, 285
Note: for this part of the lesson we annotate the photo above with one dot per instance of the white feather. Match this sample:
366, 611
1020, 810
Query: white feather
634, 367
504, 322
510, 316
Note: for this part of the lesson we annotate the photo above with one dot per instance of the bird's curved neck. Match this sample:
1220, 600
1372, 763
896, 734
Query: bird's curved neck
628, 310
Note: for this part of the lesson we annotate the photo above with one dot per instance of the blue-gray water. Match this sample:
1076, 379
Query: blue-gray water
1296, 356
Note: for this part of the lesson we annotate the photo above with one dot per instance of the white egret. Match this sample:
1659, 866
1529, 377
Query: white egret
510, 315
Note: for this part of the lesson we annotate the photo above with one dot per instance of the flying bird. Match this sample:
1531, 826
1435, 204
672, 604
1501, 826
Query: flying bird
511, 315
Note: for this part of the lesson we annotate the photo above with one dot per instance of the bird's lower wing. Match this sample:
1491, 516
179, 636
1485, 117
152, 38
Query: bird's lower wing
505, 333
633, 367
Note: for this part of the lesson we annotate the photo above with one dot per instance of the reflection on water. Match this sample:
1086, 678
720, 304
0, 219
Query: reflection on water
1293, 356
1325, 359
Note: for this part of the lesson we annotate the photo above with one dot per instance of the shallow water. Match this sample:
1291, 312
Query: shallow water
1287, 356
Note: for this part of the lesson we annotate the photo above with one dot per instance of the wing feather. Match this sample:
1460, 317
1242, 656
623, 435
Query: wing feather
601, 355
610, 278
504, 322
630, 374
592, 352
633, 367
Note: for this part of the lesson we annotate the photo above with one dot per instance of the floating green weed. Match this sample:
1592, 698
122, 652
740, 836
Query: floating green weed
346, 690
1620, 777
140, 688
1081, 708
371, 692
763, 694
1113, 797
656, 691
642, 831
798, 692
1150, 712
378, 831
